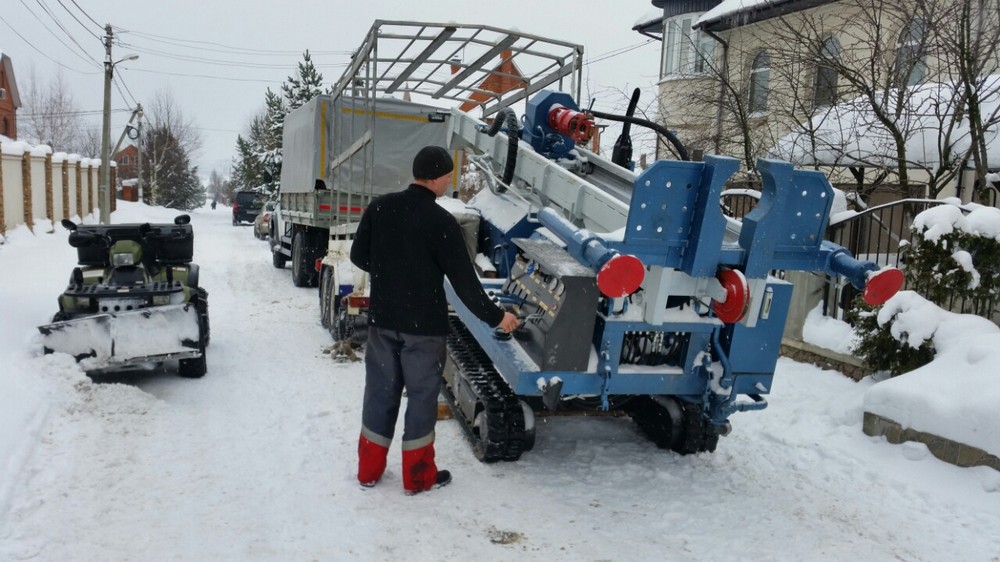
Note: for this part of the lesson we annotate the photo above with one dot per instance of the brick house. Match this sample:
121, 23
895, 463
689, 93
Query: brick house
126, 161
10, 100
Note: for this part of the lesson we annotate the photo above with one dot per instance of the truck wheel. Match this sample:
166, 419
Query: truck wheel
302, 262
277, 258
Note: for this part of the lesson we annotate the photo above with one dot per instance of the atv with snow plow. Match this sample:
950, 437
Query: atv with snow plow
134, 299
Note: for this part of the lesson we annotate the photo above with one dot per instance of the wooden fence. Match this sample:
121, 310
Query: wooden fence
36, 184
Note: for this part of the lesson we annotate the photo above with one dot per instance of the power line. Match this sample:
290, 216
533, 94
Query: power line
39, 51
70, 12
220, 62
84, 12
616, 52
124, 85
264, 81
180, 43
53, 33
62, 27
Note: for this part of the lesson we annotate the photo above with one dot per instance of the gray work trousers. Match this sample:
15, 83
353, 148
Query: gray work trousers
394, 360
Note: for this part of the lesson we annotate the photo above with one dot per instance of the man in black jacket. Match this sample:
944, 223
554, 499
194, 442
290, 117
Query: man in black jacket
408, 244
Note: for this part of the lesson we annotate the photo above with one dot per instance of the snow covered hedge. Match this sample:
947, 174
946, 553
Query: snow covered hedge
954, 263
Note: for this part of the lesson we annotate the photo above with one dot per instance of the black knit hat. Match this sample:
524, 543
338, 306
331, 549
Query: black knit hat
431, 163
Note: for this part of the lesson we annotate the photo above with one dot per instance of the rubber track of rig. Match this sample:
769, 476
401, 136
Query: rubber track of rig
504, 416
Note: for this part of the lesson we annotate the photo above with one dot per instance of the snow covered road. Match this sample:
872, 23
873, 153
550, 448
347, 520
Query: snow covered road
256, 460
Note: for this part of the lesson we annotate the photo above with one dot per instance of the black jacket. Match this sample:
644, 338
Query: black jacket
408, 244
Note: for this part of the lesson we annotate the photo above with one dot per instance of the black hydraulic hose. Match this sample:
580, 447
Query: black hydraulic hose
681, 151
506, 116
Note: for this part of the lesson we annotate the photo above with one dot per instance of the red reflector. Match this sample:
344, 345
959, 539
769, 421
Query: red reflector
354, 301
324, 207
621, 276
737, 302
319, 264
352, 209
883, 285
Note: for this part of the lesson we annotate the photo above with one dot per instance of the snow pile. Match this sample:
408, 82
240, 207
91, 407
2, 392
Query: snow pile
956, 395
945, 219
828, 332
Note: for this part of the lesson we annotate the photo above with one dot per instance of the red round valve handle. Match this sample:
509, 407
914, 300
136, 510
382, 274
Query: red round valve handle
882, 285
737, 302
620, 276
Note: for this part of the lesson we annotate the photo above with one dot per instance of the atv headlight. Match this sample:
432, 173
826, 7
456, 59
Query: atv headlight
122, 259
160, 300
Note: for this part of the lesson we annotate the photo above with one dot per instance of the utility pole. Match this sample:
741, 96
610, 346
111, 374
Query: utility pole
138, 159
104, 192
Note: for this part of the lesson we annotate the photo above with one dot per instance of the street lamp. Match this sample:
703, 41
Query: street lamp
105, 187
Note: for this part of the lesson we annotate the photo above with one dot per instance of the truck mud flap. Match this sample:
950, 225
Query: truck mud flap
121, 339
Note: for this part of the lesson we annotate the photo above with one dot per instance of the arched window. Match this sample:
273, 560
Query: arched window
825, 85
760, 75
909, 67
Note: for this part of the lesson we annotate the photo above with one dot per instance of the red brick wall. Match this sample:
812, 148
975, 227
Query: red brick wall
8, 119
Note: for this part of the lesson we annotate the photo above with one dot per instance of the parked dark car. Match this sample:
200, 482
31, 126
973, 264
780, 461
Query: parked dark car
246, 206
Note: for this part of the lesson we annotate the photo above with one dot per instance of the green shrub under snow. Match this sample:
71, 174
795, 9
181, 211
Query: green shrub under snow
953, 262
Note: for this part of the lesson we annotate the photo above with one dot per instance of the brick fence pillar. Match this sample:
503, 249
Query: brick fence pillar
65, 188
79, 191
50, 209
114, 191
26, 190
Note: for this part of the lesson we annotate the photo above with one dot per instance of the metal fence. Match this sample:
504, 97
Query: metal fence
879, 234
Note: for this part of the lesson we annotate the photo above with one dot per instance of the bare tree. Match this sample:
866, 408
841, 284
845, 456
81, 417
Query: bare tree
53, 118
167, 145
966, 35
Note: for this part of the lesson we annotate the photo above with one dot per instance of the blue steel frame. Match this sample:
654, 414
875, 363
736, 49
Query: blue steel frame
675, 222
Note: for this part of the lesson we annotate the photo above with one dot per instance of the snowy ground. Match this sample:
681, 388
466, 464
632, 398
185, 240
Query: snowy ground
256, 460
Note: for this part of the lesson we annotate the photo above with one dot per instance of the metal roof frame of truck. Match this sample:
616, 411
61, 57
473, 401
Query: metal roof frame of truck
449, 61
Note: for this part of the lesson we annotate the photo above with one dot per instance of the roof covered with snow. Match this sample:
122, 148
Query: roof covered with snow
735, 13
849, 133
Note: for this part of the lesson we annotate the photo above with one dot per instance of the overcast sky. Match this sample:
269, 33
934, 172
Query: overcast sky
217, 57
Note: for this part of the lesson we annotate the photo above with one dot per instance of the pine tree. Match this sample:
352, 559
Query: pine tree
170, 179
258, 162
304, 87
248, 170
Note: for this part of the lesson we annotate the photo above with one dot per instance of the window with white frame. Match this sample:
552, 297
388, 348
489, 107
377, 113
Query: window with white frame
760, 77
909, 68
827, 75
685, 50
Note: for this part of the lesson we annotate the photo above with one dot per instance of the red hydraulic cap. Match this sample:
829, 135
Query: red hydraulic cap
882, 285
620, 276
573, 123
737, 301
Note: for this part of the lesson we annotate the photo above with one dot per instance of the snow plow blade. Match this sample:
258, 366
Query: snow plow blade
120, 339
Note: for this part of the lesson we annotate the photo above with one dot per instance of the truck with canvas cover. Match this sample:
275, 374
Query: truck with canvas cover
338, 153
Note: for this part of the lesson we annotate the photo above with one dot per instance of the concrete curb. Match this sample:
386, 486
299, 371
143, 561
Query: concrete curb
947, 450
